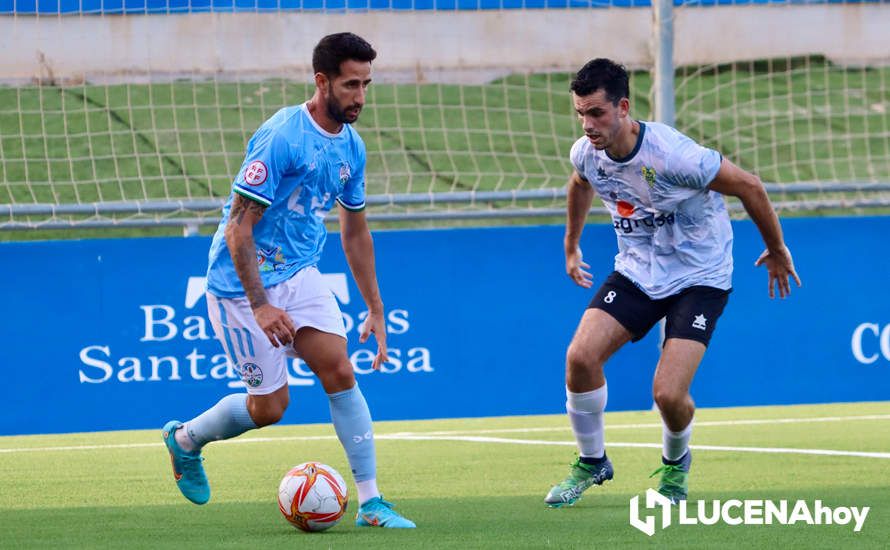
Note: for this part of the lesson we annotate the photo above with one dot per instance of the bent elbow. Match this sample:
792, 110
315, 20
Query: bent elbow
747, 188
756, 189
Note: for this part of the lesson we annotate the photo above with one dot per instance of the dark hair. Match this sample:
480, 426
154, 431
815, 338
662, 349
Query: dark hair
603, 74
334, 49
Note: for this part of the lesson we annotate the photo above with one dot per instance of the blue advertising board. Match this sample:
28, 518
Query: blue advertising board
113, 334
829, 342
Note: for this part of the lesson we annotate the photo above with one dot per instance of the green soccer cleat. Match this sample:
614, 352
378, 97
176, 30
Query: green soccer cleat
581, 477
187, 469
675, 478
376, 512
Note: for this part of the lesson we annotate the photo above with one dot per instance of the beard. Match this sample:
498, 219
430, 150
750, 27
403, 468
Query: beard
600, 142
338, 113
605, 139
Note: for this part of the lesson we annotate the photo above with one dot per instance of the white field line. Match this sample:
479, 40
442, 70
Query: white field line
771, 450
698, 424
458, 435
161, 444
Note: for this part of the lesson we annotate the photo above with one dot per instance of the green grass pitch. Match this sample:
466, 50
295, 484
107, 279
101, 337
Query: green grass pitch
470, 483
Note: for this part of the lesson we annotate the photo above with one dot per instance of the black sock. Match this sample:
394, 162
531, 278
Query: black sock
593, 461
673, 462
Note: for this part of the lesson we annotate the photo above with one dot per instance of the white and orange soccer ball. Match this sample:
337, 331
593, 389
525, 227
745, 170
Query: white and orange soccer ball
312, 496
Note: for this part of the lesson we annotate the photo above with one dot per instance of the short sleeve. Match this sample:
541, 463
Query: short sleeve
691, 165
577, 155
353, 195
267, 160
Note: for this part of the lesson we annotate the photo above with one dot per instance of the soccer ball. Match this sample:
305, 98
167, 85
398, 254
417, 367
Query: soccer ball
312, 496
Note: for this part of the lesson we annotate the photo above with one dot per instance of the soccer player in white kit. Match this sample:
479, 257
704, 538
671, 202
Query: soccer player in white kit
266, 299
664, 192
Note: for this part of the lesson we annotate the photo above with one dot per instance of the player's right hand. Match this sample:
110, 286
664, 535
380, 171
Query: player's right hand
575, 269
375, 323
276, 323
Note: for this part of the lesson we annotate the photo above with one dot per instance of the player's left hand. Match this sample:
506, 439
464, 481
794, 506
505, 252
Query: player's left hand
779, 266
576, 268
376, 323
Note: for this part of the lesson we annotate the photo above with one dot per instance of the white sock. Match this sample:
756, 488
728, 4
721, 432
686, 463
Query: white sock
586, 416
225, 420
185, 442
366, 490
675, 443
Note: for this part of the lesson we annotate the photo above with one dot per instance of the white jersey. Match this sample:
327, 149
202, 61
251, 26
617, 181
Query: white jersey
672, 231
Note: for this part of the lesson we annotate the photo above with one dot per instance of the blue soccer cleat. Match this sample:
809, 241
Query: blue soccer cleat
187, 469
675, 478
376, 512
581, 477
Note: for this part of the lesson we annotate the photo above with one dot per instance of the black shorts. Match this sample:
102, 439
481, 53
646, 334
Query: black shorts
691, 314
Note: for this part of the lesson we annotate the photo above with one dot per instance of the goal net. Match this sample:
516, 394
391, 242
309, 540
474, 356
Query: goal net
117, 114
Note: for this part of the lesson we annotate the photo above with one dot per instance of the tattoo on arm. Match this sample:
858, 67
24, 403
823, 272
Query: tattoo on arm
243, 249
242, 205
244, 258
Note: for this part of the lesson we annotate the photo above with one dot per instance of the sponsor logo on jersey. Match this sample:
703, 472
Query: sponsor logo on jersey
629, 225
625, 209
270, 259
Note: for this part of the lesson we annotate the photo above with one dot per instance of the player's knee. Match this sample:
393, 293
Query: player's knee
270, 410
583, 361
268, 415
338, 378
669, 399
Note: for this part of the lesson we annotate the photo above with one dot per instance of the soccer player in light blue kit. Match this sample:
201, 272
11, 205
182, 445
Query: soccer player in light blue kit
674, 261
266, 298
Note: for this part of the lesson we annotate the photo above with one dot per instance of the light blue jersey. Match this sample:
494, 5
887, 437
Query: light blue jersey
672, 231
297, 170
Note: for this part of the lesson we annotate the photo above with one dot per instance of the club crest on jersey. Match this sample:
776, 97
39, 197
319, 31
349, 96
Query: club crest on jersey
649, 175
601, 174
252, 374
344, 173
255, 173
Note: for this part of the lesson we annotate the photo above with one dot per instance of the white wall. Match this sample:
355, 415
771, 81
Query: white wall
429, 45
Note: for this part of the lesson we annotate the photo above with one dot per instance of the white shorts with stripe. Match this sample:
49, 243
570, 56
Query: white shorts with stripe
263, 367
